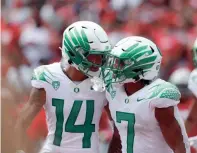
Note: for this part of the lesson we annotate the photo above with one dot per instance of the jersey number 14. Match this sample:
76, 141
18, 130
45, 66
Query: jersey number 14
87, 128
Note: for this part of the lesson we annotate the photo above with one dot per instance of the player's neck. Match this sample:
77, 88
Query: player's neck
131, 88
74, 74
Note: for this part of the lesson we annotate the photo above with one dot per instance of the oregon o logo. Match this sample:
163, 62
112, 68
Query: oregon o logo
76, 90
126, 101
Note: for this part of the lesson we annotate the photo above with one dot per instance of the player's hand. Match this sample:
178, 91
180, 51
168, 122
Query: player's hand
20, 151
105, 135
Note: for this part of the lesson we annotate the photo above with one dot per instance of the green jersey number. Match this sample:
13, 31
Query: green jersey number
87, 128
130, 118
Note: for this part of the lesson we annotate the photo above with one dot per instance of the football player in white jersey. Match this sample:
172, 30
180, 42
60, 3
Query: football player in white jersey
72, 107
192, 85
143, 108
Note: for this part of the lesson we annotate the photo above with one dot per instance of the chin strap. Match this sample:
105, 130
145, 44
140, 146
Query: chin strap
98, 84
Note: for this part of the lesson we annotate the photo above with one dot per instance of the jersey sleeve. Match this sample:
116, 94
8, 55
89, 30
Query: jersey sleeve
38, 79
165, 96
192, 83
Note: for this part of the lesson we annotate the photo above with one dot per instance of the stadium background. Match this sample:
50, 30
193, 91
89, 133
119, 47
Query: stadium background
31, 33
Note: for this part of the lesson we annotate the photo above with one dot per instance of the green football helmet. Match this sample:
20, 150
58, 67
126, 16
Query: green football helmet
195, 53
132, 59
81, 39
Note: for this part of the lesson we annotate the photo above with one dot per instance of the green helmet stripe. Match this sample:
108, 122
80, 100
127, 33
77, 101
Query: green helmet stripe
138, 50
146, 60
132, 47
136, 56
70, 46
130, 74
73, 38
79, 41
87, 46
79, 38
144, 66
133, 53
67, 47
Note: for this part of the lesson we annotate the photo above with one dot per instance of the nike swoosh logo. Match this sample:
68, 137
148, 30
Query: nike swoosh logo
138, 99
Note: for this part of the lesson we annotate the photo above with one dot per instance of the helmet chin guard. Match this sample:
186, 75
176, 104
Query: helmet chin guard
99, 84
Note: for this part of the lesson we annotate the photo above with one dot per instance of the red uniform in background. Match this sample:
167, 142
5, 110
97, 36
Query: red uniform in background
38, 128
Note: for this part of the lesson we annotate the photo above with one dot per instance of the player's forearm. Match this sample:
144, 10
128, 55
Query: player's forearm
24, 120
175, 140
21, 126
178, 145
174, 137
20, 135
170, 129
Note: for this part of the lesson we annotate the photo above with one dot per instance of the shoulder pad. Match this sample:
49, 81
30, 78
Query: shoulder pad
165, 90
38, 74
192, 83
44, 75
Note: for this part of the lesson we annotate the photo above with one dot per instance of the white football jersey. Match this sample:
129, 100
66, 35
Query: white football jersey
135, 118
73, 111
192, 84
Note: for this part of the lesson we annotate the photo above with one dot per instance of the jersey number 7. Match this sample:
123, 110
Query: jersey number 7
130, 118
87, 128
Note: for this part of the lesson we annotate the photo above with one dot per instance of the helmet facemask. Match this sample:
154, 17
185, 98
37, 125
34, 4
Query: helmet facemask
91, 64
118, 70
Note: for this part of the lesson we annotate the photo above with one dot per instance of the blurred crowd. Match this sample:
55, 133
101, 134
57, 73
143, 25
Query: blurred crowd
31, 34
